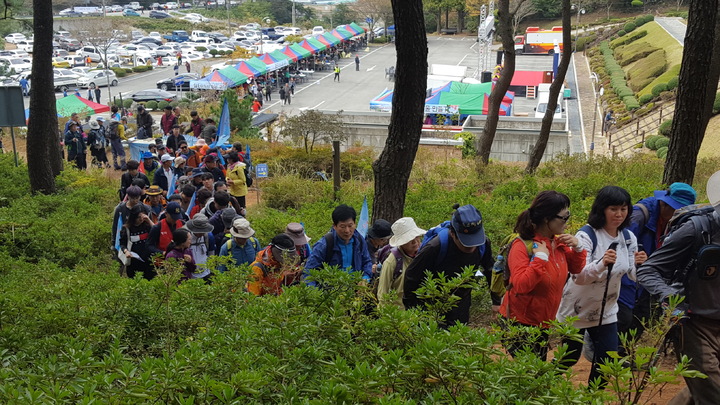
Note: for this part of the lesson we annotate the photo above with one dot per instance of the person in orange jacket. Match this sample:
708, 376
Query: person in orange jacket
274, 267
536, 281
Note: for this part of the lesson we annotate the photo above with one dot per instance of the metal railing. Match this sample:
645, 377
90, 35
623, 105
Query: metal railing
627, 137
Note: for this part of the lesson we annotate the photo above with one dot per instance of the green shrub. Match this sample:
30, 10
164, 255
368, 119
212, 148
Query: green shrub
621, 33
646, 70
665, 127
662, 152
151, 105
659, 88
582, 42
661, 142
716, 104
162, 104
651, 140
128, 70
213, 52
624, 40
127, 103
141, 68
200, 48
629, 27
635, 51
631, 103
119, 72
673, 83
644, 99
637, 3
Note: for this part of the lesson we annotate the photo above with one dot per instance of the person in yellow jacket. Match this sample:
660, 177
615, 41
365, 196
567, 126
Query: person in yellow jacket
235, 178
403, 247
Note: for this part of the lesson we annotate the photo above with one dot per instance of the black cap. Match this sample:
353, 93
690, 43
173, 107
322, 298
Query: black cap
381, 229
283, 242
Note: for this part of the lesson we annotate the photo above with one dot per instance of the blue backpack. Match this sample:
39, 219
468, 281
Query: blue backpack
442, 231
593, 238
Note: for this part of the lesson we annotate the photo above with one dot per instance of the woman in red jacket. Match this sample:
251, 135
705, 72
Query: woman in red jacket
537, 280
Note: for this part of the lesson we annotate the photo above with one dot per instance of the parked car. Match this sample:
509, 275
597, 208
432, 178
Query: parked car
156, 6
152, 95
15, 38
82, 70
145, 40
90, 51
16, 64
98, 78
128, 12
166, 50
155, 34
218, 37
172, 82
69, 12
318, 30
25, 45
116, 8
134, 35
252, 26
60, 62
76, 60
159, 14
61, 53
69, 44
171, 5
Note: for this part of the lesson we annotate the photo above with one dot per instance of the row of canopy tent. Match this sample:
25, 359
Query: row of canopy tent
452, 97
236, 75
66, 106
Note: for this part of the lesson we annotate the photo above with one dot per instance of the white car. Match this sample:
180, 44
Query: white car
155, 34
98, 78
17, 64
81, 70
191, 19
292, 31
198, 16
15, 38
318, 30
171, 5
65, 73
16, 53
252, 26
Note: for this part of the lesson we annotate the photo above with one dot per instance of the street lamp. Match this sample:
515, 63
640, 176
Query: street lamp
598, 93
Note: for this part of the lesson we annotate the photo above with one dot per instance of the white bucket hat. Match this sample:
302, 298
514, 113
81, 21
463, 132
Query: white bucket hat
404, 231
713, 191
241, 228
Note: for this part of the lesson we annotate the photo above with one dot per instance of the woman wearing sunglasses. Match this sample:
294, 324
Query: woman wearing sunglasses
539, 262
592, 294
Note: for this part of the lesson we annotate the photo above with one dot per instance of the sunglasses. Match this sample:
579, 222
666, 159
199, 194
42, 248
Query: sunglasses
564, 219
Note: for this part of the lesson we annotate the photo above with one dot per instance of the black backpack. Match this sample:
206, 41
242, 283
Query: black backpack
112, 130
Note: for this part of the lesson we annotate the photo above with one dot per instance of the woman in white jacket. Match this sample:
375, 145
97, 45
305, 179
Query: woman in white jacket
592, 295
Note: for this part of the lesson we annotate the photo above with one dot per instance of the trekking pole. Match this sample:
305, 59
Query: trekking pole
610, 266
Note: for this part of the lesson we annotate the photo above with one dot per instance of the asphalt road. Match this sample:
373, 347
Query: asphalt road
674, 26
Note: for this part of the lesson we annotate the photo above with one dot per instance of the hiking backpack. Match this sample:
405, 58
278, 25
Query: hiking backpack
500, 278
112, 130
384, 253
593, 237
98, 141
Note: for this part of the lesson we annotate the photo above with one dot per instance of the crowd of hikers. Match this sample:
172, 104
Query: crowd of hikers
612, 276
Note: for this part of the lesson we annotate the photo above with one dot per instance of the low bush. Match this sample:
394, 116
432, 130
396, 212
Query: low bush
621, 33
630, 53
141, 68
381, 39
673, 71
645, 109
637, 3
582, 42
631, 103
662, 142
213, 52
659, 88
665, 127
642, 20
651, 140
151, 105
119, 72
673, 83
645, 99
681, 14
200, 48
629, 27
662, 152
127, 103
162, 104
626, 39
716, 104
646, 69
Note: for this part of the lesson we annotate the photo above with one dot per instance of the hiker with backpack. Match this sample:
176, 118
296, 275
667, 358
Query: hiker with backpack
275, 267
591, 295
447, 249
97, 143
243, 246
296, 232
649, 221
395, 258
539, 260
378, 236
202, 241
116, 134
134, 243
342, 246
687, 265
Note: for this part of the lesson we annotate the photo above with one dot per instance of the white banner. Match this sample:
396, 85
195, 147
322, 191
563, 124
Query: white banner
207, 85
441, 109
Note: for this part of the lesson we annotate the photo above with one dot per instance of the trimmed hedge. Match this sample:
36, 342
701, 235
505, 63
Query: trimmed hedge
673, 83
658, 89
622, 33
662, 152
127, 103
629, 27
582, 42
662, 142
646, 70
163, 104
665, 127
628, 54
142, 68
642, 20
631, 103
151, 105
651, 141
626, 39
646, 98
119, 72
617, 78
716, 104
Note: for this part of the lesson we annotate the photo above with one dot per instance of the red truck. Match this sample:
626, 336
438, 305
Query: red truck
536, 40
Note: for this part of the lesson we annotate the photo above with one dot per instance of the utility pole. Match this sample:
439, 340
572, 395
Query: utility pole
293, 13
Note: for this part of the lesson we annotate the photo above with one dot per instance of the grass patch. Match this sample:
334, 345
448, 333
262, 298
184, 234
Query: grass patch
633, 52
659, 38
673, 71
645, 70
710, 147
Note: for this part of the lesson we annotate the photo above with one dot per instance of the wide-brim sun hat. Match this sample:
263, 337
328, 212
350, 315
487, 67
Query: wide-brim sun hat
296, 232
199, 225
405, 230
241, 229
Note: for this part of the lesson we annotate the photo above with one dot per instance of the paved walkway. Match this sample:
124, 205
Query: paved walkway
674, 26
586, 98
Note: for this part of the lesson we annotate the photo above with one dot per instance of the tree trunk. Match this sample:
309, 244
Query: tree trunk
439, 20
43, 148
539, 149
694, 99
503, 83
392, 169
461, 20
447, 17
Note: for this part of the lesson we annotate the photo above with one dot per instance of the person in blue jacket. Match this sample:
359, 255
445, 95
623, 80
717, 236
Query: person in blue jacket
648, 222
343, 246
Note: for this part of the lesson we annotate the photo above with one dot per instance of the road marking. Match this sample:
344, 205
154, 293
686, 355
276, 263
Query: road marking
371, 68
461, 60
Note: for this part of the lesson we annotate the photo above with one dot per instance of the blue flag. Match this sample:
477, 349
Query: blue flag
223, 128
248, 160
171, 186
117, 233
191, 205
363, 224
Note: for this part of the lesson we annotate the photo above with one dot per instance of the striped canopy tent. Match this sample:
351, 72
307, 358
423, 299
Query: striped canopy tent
272, 63
66, 106
323, 40
258, 64
246, 69
317, 43
351, 30
304, 53
279, 56
306, 45
358, 29
341, 34
291, 53
331, 38
234, 75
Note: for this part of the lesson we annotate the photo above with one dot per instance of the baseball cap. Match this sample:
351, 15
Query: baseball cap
147, 155
677, 195
167, 158
468, 225
381, 229
173, 210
